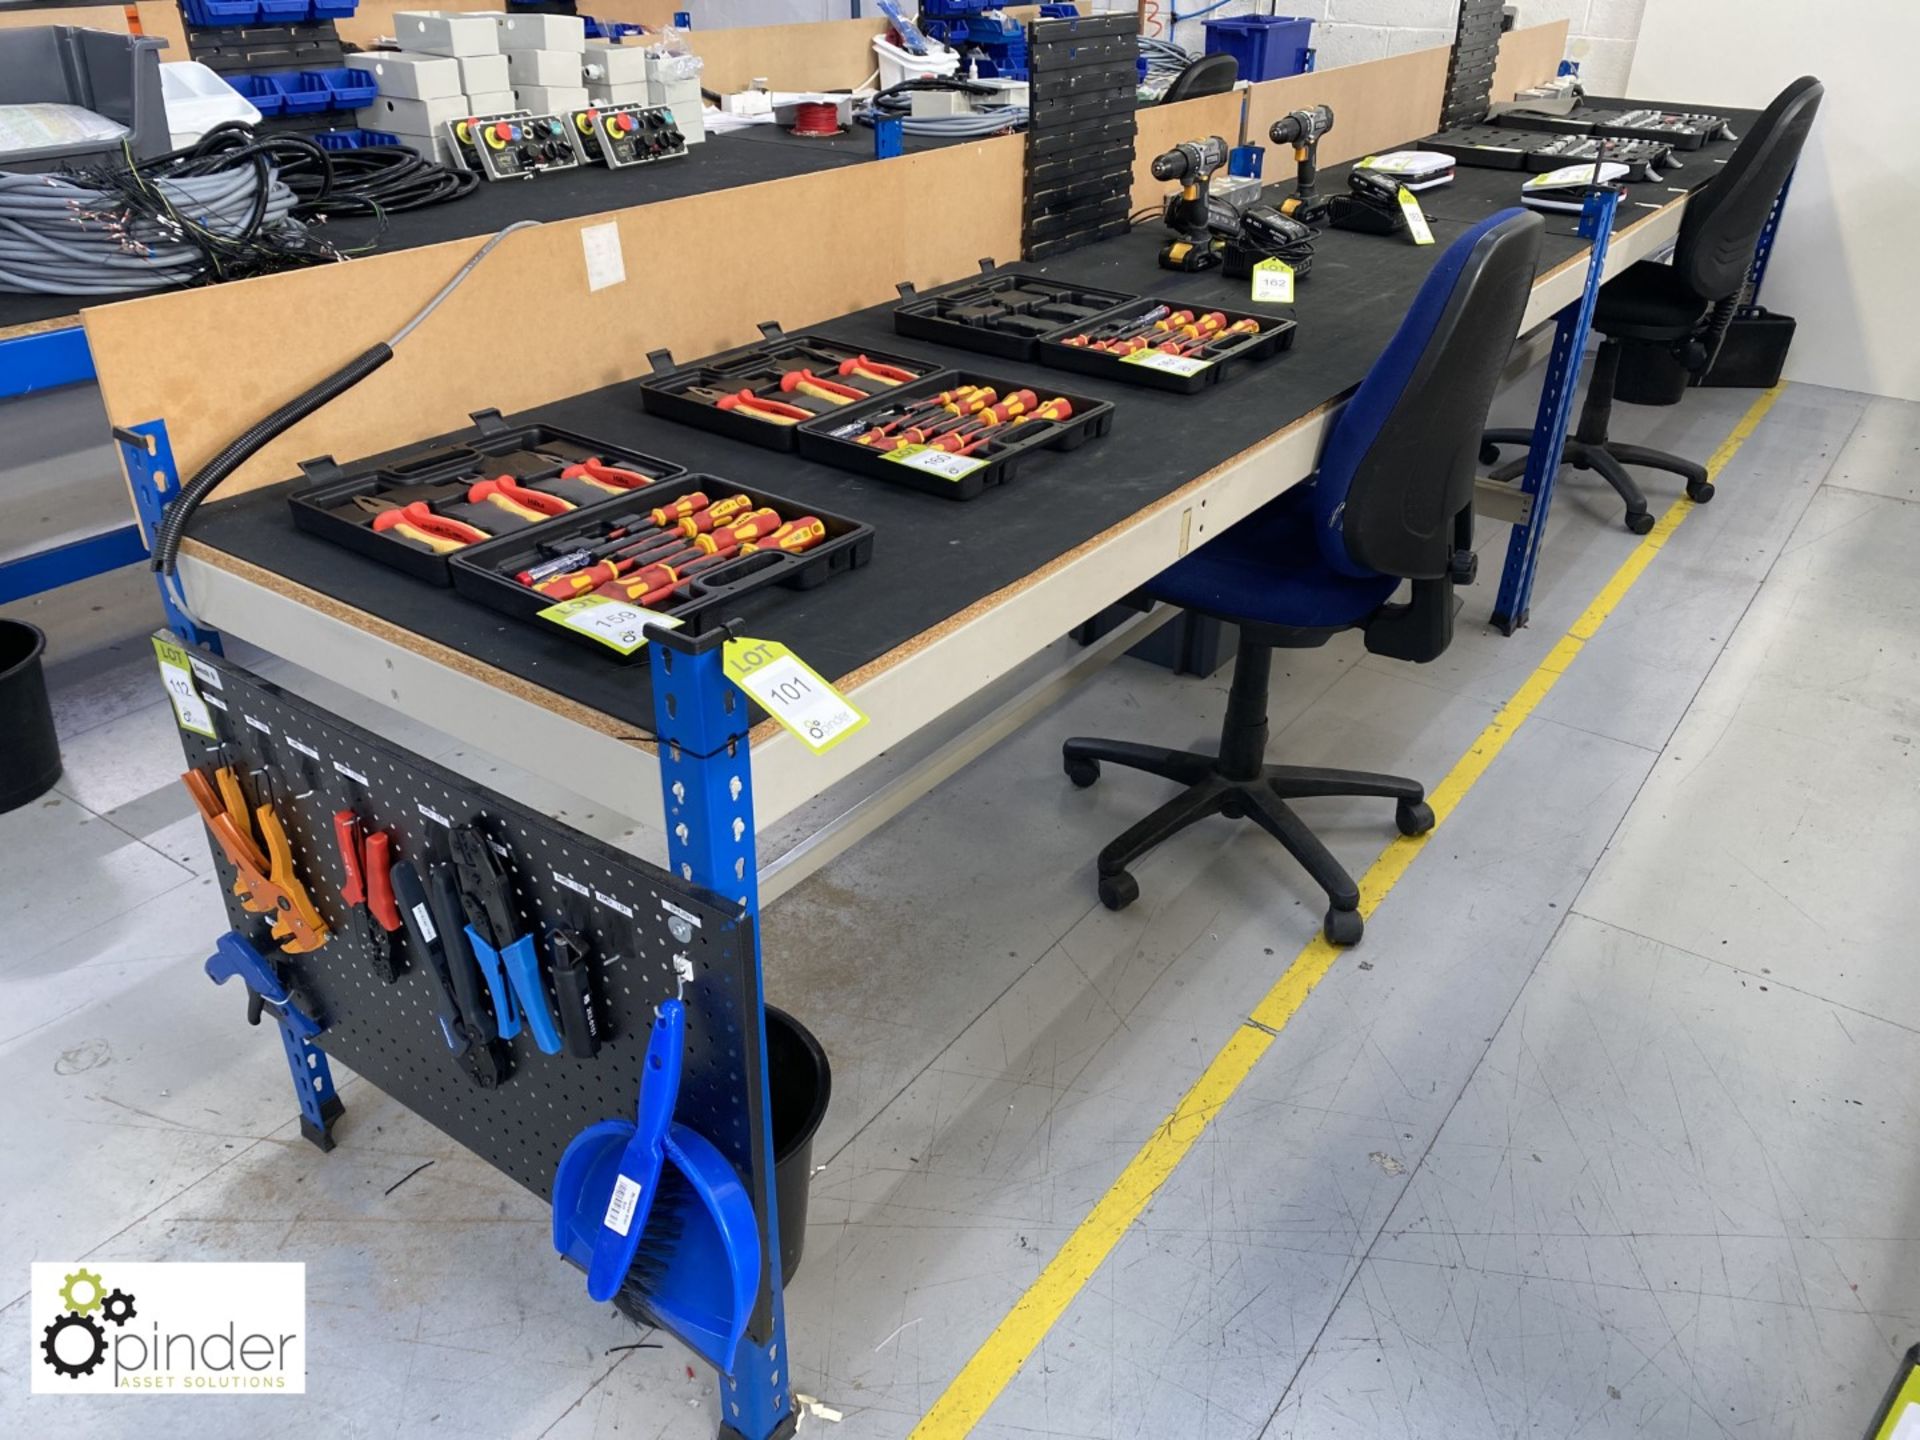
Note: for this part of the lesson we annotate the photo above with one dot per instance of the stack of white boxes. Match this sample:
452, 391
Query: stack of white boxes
451, 68
682, 96
544, 57
628, 75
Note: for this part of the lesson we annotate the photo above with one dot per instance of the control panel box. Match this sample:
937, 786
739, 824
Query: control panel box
514, 146
622, 135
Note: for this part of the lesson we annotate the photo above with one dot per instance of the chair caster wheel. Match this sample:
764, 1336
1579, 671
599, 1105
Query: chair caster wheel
1233, 807
1118, 891
1699, 491
1414, 818
1082, 772
1343, 927
1639, 521
1489, 453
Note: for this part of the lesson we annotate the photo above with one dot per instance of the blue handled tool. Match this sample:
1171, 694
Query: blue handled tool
268, 994
508, 958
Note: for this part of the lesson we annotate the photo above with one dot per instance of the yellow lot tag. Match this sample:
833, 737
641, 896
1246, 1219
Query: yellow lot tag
791, 691
1273, 282
1416, 217
176, 671
617, 624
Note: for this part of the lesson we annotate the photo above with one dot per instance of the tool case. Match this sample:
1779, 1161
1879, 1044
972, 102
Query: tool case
440, 471
934, 471
486, 572
1184, 375
761, 367
1002, 314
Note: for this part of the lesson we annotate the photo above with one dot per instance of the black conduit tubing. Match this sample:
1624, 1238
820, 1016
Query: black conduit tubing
166, 537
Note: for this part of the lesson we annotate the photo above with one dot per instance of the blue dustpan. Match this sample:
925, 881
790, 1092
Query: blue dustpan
702, 1272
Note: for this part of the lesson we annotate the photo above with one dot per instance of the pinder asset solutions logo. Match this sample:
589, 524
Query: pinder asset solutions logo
169, 1329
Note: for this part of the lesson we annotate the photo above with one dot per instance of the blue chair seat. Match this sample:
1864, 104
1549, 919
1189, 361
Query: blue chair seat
1269, 570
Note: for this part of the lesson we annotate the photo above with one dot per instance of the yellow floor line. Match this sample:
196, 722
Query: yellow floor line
999, 1359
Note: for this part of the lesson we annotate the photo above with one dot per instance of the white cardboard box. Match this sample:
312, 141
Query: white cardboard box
484, 74
617, 64
496, 102
539, 32
640, 94
409, 76
446, 32
415, 117
552, 99
543, 67
680, 94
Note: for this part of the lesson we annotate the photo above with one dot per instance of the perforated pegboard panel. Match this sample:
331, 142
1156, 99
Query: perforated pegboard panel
312, 764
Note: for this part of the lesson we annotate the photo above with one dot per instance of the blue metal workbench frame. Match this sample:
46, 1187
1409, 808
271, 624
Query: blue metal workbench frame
30, 364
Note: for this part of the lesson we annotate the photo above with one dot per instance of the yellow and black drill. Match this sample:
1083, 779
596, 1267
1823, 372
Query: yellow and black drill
1302, 130
1194, 246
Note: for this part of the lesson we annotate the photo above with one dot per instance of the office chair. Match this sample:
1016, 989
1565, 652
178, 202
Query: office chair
1395, 482
1675, 316
1209, 75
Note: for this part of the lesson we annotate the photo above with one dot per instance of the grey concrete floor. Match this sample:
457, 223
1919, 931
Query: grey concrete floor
1604, 1130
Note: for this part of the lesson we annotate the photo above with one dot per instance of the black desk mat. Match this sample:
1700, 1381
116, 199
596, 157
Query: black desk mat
933, 558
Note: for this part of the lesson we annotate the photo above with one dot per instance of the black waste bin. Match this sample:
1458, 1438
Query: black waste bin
29, 750
801, 1082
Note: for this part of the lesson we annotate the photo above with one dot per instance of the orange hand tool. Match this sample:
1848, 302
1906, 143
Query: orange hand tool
930, 413
1058, 408
873, 370
807, 383
1014, 406
646, 562
664, 515
603, 476
1205, 343
416, 522
510, 495
267, 884
793, 537
776, 411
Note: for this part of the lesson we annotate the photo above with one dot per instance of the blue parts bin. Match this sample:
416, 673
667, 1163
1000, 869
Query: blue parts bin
229, 13
622, 1182
221, 12
268, 98
1266, 46
117, 77
302, 92
348, 89
283, 12
353, 139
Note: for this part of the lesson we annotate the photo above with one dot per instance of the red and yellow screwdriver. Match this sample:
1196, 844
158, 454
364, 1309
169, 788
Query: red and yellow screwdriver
670, 547
792, 537
966, 443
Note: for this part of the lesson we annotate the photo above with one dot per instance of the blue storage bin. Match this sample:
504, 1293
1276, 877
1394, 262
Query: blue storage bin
302, 92
353, 139
331, 9
1266, 47
262, 92
348, 89
283, 12
221, 12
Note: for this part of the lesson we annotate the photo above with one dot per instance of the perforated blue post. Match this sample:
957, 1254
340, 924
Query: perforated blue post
155, 480
706, 784
1551, 419
1763, 249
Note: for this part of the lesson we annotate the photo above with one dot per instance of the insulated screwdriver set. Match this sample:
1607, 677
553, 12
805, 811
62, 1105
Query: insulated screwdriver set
762, 392
691, 548
514, 145
956, 434
1167, 345
1499, 147
621, 135
413, 508
1002, 314
1683, 130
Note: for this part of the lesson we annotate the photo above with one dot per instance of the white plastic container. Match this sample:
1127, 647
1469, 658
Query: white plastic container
482, 74
407, 76
492, 102
543, 67
446, 32
551, 99
539, 32
197, 100
897, 66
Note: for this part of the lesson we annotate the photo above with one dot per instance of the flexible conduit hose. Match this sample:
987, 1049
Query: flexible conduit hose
167, 535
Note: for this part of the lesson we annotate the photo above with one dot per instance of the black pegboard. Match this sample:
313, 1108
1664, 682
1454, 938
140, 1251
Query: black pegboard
310, 762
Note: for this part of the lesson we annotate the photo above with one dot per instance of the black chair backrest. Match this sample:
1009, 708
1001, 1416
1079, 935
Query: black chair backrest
1417, 472
1723, 220
1209, 75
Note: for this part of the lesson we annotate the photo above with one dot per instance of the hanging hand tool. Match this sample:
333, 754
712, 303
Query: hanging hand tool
416, 522
269, 994
449, 918
485, 1064
493, 928
610, 478
508, 494
267, 884
369, 901
831, 391
573, 987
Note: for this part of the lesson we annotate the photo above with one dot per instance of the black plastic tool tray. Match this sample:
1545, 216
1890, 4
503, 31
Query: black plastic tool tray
930, 316
485, 572
664, 393
1090, 418
1275, 335
440, 469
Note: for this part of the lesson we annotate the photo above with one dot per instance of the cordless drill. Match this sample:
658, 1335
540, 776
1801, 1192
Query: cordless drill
1302, 130
1193, 247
